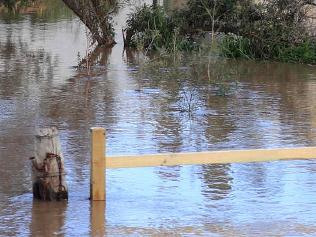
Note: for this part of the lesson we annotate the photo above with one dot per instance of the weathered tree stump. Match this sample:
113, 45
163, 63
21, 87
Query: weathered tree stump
48, 172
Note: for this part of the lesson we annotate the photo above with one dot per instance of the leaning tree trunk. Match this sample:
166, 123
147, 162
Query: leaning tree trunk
48, 172
96, 15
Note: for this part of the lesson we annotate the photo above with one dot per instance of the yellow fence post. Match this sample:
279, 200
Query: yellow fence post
97, 219
97, 174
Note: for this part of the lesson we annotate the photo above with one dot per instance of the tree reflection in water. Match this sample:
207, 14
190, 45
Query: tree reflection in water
217, 181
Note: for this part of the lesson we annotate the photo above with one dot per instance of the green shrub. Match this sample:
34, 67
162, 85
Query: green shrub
234, 46
13, 4
152, 29
303, 53
278, 31
147, 26
271, 29
214, 15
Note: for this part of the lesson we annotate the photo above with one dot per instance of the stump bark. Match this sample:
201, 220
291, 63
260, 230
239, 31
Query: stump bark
48, 172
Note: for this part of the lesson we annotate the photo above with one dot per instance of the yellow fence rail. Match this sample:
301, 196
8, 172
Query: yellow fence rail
99, 161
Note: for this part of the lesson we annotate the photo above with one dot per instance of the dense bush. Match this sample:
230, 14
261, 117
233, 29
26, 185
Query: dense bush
277, 32
303, 53
281, 25
14, 4
214, 15
149, 27
269, 29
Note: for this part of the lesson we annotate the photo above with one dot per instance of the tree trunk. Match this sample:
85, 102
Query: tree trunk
48, 172
95, 14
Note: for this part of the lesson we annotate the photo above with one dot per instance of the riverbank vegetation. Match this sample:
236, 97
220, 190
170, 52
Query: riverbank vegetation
269, 30
266, 29
13, 5
150, 28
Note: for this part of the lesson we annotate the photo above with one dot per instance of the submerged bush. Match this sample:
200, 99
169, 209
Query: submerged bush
234, 46
280, 33
270, 29
149, 27
214, 15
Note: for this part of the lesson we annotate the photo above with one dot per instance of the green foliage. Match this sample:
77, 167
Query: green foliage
278, 31
281, 25
234, 46
13, 4
152, 29
209, 15
148, 26
303, 53
271, 29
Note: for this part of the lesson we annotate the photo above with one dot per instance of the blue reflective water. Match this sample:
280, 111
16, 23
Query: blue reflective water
144, 108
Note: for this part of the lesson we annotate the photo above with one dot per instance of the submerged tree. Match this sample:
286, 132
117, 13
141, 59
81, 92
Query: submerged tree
95, 14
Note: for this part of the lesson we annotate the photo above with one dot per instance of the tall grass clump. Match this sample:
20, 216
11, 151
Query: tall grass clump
234, 46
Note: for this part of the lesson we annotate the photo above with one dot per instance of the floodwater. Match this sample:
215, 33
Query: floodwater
178, 104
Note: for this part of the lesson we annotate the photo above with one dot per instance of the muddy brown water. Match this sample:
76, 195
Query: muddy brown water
169, 105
